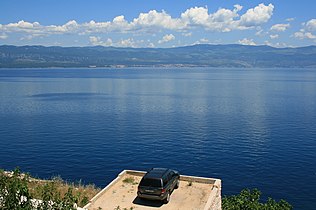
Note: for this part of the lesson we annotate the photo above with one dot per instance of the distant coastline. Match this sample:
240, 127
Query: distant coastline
227, 56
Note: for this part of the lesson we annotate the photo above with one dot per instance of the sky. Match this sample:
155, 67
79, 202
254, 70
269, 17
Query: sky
157, 23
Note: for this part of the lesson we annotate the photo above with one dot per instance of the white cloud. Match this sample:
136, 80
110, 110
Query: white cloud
307, 31
223, 20
304, 35
157, 19
187, 34
260, 32
311, 25
204, 40
167, 38
256, 16
226, 20
96, 27
246, 41
290, 19
274, 36
23, 25
32, 36
127, 43
119, 23
195, 16
96, 40
277, 45
280, 27
151, 45
70, 27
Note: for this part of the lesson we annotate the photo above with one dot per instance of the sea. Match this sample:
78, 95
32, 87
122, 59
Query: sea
249, 127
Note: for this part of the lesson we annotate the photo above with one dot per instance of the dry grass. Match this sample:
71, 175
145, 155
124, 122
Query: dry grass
82, 192
130, 180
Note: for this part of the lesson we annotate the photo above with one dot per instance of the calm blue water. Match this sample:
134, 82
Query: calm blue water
248, 127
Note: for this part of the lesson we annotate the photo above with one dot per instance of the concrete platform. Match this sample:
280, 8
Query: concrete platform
194, 193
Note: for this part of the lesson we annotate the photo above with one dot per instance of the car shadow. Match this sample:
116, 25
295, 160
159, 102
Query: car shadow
144, 202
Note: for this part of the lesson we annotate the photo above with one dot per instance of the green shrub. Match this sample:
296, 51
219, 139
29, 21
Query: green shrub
14, 192
250, 200
17, 190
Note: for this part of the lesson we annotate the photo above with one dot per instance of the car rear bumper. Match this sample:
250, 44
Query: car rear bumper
152, 197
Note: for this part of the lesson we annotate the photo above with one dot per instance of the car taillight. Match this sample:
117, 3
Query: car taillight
163, 191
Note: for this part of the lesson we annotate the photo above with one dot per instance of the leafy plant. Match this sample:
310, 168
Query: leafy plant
14, 193
17, 191
249, 200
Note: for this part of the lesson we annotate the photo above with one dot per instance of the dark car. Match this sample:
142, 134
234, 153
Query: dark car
158, 184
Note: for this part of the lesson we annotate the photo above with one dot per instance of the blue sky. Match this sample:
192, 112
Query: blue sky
157, 23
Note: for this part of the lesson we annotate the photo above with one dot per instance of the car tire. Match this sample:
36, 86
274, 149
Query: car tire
177, 184
167, 199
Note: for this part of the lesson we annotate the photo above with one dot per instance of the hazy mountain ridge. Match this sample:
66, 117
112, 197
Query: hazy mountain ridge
197, 55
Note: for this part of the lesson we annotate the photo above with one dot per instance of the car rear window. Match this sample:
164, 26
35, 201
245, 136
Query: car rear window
151, 182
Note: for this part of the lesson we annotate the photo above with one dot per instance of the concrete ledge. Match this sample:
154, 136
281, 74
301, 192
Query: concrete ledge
214, 199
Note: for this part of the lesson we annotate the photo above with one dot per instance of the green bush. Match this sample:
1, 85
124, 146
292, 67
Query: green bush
250, 200
14, 194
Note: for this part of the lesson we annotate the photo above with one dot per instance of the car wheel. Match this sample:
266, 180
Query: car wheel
167, 198
177, 184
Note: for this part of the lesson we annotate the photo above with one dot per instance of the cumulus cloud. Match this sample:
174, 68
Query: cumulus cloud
127, 43
277, 45
280, 27
256, 16
308, 30
223, 20
311, 25
96, 40
157, 19
23, 25
246, 41
31, 36
167, 38
304, 35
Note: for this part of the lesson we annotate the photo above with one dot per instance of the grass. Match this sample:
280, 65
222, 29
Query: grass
55, 189
83, 193
130, 180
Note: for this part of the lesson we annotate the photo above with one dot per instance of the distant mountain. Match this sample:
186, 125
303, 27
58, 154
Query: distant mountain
196, 55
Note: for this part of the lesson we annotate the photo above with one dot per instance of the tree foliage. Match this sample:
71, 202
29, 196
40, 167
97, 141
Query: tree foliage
250, 200
15, 194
